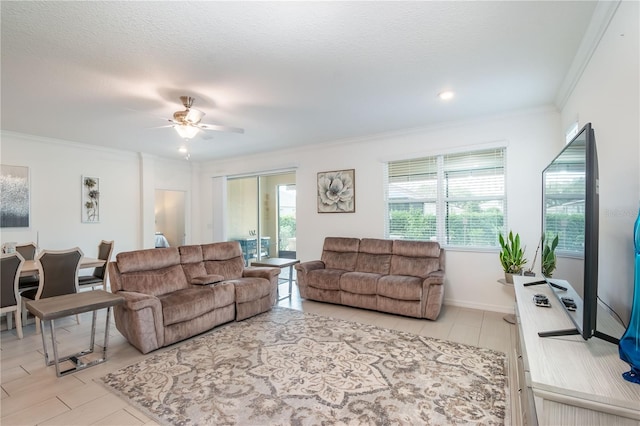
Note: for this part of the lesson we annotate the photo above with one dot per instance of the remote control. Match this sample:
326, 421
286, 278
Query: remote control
569, 303
541, 300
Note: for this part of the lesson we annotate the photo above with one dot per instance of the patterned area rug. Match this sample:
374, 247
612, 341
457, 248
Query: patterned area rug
289, 367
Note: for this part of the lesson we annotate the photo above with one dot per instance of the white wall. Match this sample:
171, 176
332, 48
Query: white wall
126, 210
607, 95
531, 138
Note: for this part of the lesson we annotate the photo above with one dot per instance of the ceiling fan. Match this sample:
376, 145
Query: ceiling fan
187, 123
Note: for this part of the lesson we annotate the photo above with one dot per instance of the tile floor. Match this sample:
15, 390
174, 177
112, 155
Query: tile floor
33, 395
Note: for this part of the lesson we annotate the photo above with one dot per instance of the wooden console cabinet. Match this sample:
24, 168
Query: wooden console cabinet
567, 380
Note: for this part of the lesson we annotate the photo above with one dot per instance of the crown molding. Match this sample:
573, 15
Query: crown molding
600, 20
61, 142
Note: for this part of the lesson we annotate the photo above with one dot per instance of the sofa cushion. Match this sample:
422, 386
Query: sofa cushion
186, 304
190, 254
416, 248
221, 251
192, 270
223, 259
155, 282
340, 253
400, 287
206, 279
251, 288
225, 294
327, 279
192, 263
144, 260
374, 256
415, 258
359, 282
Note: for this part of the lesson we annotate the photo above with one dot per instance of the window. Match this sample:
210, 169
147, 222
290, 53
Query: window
457, 199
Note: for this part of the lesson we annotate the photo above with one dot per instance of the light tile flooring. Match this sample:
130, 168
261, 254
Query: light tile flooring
32, 394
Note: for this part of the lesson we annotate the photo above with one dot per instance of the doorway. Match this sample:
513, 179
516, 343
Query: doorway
170, 218
287, 221
254, 214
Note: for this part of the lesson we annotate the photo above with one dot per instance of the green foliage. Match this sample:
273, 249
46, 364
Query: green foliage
287, 227
470, 229
569, 226
412, 224
549, 256
474, 229
512, 253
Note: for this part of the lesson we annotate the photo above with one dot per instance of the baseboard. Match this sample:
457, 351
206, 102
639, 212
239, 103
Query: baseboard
481, 306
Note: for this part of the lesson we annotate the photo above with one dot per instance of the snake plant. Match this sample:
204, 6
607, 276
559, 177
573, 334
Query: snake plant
549, 257
512, 253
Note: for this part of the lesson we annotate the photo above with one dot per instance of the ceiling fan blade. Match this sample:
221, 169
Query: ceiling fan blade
161, 127
220, 128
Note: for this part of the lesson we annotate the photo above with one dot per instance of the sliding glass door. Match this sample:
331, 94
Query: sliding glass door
287, 221
253, 214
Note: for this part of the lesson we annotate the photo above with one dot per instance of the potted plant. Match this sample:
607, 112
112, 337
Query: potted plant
549, 257
511, 256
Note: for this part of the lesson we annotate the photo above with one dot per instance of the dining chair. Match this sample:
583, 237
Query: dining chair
99, 276
9, 293
28, 252
58, 272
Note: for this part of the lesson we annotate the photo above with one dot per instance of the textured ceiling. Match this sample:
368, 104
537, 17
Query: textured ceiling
289, 73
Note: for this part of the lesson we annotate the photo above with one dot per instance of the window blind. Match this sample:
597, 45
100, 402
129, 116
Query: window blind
457, 199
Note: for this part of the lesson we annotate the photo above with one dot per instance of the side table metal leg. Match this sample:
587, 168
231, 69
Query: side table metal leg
93, 330
106, 335
290, 279
55, 347
43, 332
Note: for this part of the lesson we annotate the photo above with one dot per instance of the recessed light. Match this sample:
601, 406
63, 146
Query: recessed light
182, 149
446, 95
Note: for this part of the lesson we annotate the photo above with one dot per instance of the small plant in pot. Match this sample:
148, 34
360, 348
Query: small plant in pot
549, 257
511, 256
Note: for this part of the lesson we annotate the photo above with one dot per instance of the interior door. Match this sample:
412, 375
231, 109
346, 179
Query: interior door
170, 216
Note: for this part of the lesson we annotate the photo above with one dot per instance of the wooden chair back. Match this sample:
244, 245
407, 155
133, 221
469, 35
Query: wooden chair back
27, 250
58, 271
10, 301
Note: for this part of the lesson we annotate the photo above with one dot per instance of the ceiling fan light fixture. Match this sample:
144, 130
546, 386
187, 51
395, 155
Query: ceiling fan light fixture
446, 95
186, 131
194, 116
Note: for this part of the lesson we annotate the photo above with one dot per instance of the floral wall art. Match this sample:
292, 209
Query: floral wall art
90, 199
337, 192
14, 196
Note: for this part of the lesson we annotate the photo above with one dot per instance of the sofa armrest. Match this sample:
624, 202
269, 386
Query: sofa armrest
261, 272
302, 269
140, 320
305, 267
433, 295
435, 278
136, 301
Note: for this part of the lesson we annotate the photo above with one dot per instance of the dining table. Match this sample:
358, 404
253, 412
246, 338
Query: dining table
30, 267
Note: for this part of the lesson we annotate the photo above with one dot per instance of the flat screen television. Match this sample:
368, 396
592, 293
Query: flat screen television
570, 210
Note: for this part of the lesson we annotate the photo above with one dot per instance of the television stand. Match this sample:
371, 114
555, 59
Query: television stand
558, 286
574, 331
568, 380
566, 332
